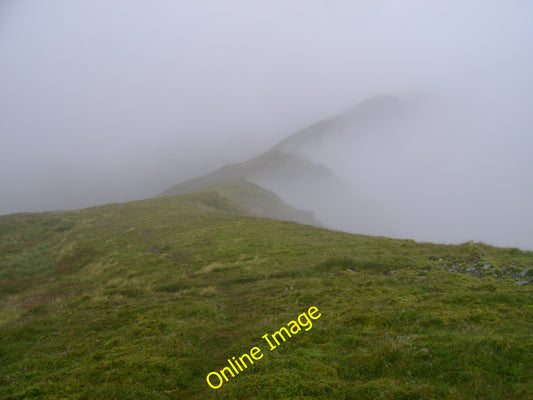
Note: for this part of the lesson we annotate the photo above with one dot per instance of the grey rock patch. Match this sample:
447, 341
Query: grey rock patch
526, 272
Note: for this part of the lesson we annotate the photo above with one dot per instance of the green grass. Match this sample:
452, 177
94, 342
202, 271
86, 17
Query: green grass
142, 300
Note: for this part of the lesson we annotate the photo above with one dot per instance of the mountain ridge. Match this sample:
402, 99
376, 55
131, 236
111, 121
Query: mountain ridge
287, 173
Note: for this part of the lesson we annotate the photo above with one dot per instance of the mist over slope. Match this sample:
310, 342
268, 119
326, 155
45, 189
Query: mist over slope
163, 92
278, 171
434, 169
407, 166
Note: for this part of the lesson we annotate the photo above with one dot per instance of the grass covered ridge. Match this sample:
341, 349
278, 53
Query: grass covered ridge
144, 299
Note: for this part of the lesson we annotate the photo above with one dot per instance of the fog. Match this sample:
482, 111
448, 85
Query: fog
110, 101
419, 167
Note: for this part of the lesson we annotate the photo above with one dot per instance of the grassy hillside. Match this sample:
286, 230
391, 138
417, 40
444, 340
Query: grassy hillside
142, 300
286, 175
260, 202
273, 164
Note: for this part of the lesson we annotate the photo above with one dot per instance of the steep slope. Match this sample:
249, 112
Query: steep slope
371, 112
287, 171
256, 201
274, 170
145, 299
273, 163
414, 166
262, 203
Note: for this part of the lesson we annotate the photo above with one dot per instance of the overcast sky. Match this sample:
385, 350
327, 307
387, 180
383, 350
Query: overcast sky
104, 101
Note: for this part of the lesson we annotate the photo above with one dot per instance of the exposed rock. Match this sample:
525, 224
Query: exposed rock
526, 272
